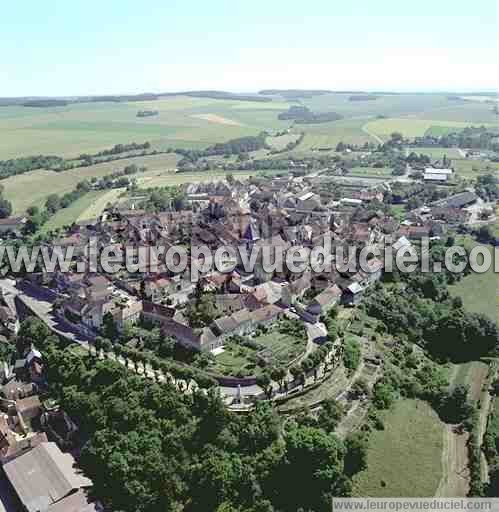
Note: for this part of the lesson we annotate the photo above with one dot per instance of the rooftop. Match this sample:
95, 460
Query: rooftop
44, 476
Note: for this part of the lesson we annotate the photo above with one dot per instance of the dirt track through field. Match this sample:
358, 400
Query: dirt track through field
455, 478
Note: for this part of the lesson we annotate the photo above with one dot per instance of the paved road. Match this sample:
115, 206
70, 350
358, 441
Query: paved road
40, 302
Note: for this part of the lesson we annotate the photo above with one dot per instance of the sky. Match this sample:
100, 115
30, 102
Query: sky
62, 48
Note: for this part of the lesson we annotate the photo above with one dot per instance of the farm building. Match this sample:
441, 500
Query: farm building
44, 479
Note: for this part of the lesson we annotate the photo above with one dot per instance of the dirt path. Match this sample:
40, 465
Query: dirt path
455, 478
373, 135
485, 404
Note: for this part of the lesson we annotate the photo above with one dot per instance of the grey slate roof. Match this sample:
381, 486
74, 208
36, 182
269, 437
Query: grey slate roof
43, 476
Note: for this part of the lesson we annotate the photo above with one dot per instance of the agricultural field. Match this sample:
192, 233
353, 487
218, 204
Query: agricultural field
199, 122
152, 179
282, 141
437, 153
389, 105
90, 127
74, 212
404, 459
478, 291
408, 127
469, 168
328, 135
32, 188
368, 172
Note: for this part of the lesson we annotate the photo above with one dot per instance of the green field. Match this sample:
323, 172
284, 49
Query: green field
282, 141
154, 179
32, 188
437, 153
328, 135
366, 172
90, 127
473, 168
408, 127
198, 122
404, 459
478, 291
66, 216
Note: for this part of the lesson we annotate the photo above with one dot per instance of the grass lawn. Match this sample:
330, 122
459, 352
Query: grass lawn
234, 361
242, 360
404, 459
478, 291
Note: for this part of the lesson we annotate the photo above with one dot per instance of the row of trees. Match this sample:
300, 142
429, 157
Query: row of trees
5, 205
144, 360
149, 447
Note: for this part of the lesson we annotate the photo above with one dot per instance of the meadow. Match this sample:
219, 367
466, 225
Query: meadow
404, 459
478, 292
32, 188
473, 168
76, 210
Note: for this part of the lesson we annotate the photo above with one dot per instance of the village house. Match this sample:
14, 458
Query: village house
353, 294
324, 301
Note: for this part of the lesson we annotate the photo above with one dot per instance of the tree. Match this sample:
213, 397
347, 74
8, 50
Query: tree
383, 394
313, 469
356, 454
5, 208
202, 311
265, 382
351, 354
109, 326
33, 332
330, 414
455, 407
53, 203
32, 211
360, 388
278, 374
